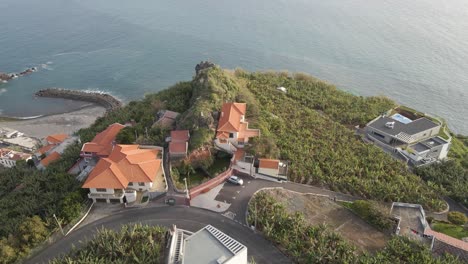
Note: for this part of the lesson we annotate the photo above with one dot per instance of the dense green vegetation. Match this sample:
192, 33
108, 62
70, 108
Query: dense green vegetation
456, 218
143, 113
324, 151
452, 230
29, 198
448, 178
459, 150
317, 244
371, 213
132, 244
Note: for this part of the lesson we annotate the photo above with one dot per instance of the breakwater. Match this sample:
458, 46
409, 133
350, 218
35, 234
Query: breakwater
103, 99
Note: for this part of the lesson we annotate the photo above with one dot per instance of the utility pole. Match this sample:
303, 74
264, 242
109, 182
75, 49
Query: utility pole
186, 188
61, 230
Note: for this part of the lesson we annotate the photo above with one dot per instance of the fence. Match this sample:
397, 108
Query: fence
206, 186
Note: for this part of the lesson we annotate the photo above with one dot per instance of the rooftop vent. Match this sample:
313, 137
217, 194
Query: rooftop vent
390, 124
430, 142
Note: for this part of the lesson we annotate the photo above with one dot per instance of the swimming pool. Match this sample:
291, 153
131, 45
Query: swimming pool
401, 118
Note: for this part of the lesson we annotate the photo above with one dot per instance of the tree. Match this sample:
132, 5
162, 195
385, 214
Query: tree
457, 218
32, 231
7, 252
71, 206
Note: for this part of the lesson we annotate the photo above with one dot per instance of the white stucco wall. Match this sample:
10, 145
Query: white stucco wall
239, 258
271, 172
108, 191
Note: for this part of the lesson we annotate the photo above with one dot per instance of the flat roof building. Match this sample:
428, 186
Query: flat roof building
206, 246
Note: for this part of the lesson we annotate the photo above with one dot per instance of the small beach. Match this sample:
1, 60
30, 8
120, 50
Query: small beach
54, 124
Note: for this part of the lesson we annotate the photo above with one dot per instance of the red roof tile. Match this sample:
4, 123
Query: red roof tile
51, 158
180, 135
56, 138
102, 143
178, 147
268, 163
126, 163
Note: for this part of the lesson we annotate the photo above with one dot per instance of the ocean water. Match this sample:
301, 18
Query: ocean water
415, 52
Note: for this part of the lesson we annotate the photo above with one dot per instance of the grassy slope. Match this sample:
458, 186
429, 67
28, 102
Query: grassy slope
132, 244
325, 152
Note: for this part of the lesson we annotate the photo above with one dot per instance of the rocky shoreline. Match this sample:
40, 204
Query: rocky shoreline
5, 77
106, 100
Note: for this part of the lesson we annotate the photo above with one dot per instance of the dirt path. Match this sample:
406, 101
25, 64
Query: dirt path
322, 210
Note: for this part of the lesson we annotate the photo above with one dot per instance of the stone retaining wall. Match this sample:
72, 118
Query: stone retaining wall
103, 99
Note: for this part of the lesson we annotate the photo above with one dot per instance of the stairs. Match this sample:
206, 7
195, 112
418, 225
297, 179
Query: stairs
231, 244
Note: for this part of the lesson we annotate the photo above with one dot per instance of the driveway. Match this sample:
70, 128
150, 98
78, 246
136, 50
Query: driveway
239, 196
191, 219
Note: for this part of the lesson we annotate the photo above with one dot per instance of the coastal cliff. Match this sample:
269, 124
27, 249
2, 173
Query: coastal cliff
103, 99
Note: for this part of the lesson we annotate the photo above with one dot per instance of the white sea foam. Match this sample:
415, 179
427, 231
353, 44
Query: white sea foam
3, 90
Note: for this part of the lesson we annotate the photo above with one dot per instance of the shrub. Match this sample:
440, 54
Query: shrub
430, 219
370, 212
456, 218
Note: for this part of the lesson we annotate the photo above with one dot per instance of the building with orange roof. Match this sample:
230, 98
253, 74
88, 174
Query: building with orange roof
102, 144
178, 146
8, 157
233, 130
128, 169
56, 139
49, 143
269, 167
54, 156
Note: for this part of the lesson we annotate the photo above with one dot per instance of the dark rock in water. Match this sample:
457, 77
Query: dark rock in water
203, 65
5, 77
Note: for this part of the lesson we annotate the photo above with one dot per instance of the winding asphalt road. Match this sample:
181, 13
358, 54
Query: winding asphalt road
188, 218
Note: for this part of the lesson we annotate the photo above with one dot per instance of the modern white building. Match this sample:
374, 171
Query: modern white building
206, 246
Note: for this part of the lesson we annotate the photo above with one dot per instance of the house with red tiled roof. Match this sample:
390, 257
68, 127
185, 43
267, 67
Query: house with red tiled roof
127, 170
53, 148
49, 143
233, 130
179, 143
8, 157
54, 156
102, 144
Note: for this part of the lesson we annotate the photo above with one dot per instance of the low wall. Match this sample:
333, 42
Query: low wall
103, 99
206, 186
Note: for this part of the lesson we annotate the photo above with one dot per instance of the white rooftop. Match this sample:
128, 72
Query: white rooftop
208, 246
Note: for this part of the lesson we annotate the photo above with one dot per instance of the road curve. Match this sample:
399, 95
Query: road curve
188, 218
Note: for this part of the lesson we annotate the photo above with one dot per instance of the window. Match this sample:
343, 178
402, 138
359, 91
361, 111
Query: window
231, 135
130, 184
141, 184
101, 189
379, 135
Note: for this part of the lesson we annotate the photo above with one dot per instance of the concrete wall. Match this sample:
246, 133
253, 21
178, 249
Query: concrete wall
371, 131
240, 258
425, 134
108, 191
270, 172
145, 187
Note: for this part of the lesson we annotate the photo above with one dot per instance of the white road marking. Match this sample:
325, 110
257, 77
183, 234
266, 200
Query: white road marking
243, 187
234, 197
238, 191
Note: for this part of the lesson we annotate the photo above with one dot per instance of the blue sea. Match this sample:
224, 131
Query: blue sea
415, 52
